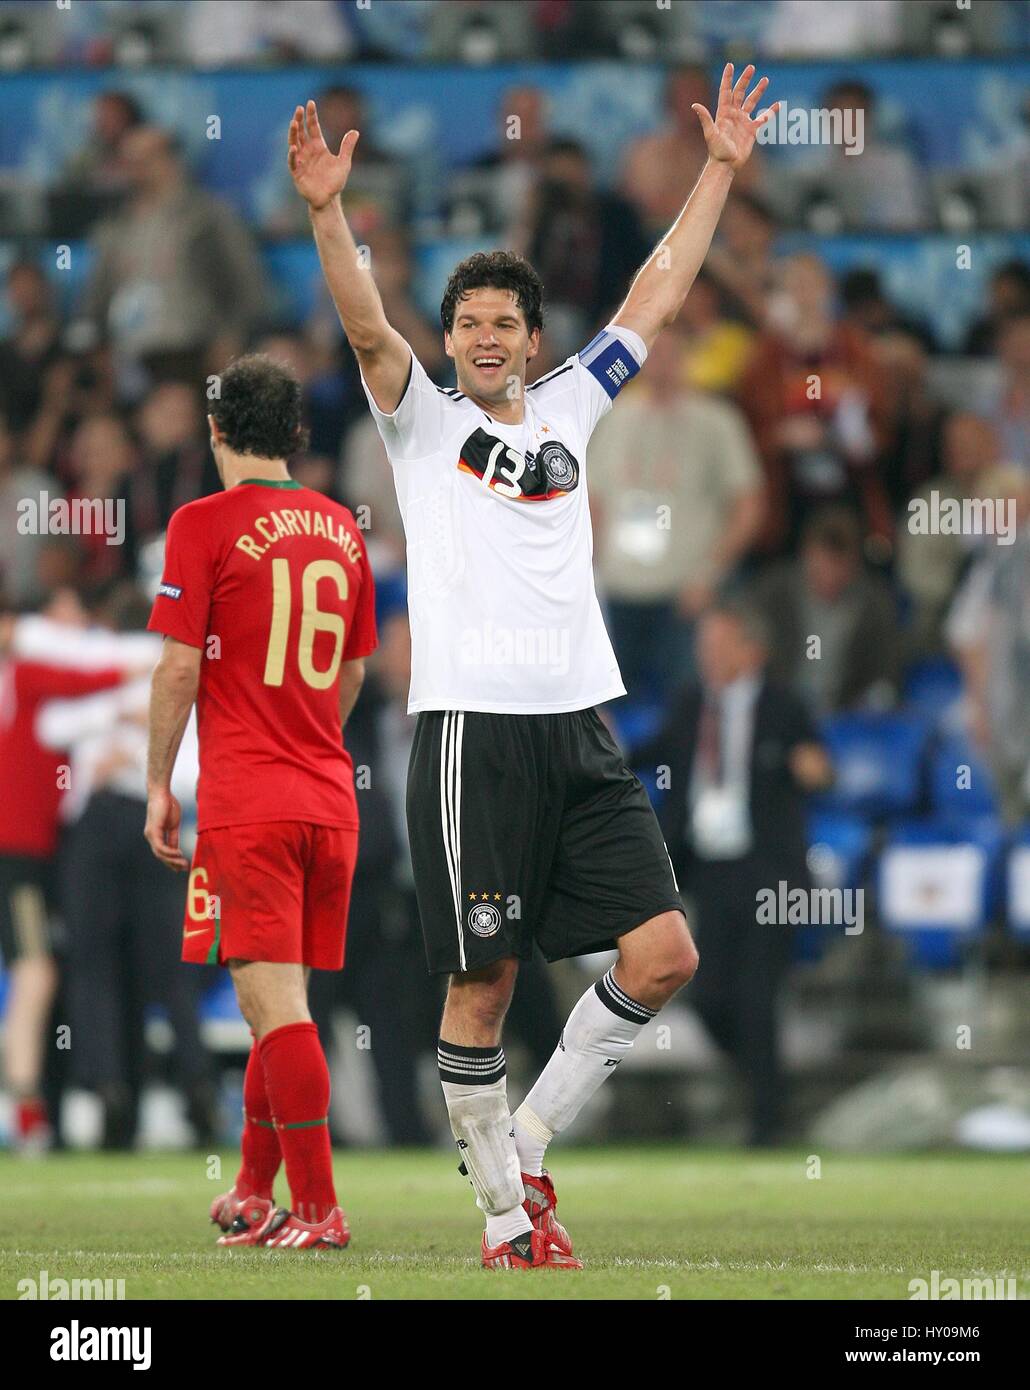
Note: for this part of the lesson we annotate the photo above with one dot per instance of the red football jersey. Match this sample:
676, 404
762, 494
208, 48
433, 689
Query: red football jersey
30, 781
272, 582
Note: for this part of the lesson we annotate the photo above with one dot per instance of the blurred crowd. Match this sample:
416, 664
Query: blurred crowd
210, 33
781, 432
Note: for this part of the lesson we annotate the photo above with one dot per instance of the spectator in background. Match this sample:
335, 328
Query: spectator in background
1011, 408
272, 31
20, 581
329, 395
881, 187
33, 346
815, 29
931, 565
79, 383
866, 307
914, 417
742, 754
123, 911
316, 471
40, 659
98, 166
177, 285
834, 627
741, 259
515, 166
175, 461
102, 460
814, 396
989, 631
1008, 298
366, 486
585, 244
376, 195
662, 168
676, 493
717, 348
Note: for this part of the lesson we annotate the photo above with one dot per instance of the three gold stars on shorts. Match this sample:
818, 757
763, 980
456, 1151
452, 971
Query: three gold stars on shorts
483, 897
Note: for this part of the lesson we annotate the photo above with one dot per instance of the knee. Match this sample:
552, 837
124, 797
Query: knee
671, 971
663, 964
477, 1004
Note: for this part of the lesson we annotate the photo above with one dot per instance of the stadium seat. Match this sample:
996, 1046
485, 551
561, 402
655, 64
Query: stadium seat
878, 760
636, 721
838, 849
958, 795
933, 690
838, 854
938, 885
1017, 886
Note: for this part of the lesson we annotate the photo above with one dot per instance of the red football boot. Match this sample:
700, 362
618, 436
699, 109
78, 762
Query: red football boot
285, 1231
534, 1250
541, 1206
244, 1213
32, 1132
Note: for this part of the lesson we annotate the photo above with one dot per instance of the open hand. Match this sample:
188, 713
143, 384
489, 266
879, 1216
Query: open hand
318, 174
731, 136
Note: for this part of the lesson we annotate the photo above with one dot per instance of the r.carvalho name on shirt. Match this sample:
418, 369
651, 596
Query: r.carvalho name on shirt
297, 521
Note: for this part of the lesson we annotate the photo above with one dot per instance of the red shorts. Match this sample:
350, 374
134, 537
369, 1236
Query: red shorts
277, 891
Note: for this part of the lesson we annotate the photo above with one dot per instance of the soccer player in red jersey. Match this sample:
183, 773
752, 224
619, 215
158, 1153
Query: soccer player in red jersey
267, 607
49, 664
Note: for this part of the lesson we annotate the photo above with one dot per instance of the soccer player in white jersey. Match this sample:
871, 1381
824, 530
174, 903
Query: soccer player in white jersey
526, 826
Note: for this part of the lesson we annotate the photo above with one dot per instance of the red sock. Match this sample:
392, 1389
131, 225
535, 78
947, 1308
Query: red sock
297, 1084
259, 1143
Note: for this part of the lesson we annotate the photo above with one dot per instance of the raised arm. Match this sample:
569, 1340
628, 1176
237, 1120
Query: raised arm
662, 283
319, 177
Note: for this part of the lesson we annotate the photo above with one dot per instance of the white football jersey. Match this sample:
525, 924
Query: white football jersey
504, 616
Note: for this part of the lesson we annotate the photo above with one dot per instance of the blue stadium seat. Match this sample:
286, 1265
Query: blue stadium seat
878, 759
933, 689
1017, 885
219, 1003
938, 883
838, 849
636, 721
975, 796
838, 854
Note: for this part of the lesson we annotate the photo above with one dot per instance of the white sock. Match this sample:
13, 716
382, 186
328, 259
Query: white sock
601, 1029
475, 1090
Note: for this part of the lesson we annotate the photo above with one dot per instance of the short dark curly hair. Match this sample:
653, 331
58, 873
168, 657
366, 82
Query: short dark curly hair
258, 408
497, 270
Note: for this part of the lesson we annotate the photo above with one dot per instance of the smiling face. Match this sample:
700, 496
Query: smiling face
491, 345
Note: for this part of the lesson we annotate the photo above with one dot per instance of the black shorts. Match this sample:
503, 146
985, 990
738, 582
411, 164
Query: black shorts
26, 907
529, 828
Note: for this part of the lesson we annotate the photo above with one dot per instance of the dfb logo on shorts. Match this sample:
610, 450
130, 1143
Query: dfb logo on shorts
484, 919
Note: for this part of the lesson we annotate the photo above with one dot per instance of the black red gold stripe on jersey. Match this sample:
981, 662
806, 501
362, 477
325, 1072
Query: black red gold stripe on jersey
536, 476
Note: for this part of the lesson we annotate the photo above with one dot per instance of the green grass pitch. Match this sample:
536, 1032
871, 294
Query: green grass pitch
650, 1223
